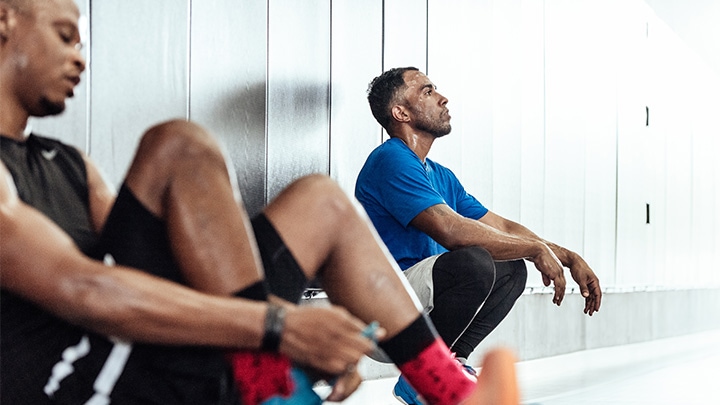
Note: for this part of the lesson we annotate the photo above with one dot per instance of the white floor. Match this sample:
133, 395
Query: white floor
676, 371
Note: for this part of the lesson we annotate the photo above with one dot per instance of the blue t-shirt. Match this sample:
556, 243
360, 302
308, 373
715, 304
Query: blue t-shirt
394, 186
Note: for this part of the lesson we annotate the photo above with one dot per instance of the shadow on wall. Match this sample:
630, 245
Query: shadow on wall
299, 132
237, 118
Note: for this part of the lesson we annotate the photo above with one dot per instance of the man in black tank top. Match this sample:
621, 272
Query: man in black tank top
127, 298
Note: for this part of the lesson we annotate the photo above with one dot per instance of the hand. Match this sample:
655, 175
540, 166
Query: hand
552, 271
345, 385
588, 283
327, 339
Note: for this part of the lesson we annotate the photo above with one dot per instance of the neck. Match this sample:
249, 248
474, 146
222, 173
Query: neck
13, 119
420, 143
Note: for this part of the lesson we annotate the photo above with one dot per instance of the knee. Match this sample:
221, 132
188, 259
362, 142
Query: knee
176, 141
519, 271
323, 194
518, 274
477, 258
470, 265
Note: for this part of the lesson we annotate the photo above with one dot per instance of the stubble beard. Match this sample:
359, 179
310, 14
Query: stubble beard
48, 107
436, 128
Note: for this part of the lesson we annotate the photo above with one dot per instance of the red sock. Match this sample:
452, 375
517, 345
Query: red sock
437, 377
260, 375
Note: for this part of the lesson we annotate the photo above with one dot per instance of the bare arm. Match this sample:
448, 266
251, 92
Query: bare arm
579, 269
565, 256
100, 194
454, 231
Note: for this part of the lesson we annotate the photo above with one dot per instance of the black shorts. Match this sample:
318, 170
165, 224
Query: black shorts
156, 374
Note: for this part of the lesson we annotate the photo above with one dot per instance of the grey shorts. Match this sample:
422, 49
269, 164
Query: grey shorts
420, 277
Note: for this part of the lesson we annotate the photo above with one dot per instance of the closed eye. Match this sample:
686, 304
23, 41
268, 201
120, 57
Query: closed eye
68, 34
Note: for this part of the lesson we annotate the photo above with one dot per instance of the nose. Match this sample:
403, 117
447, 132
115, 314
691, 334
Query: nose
443, 99
78, 60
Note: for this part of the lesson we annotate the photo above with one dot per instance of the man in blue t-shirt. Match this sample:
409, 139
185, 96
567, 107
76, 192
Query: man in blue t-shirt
463, 261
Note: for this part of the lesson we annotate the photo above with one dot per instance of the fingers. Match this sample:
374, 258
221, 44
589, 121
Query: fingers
583, 289
589, 287
594, 298
345, 385
546, 280
552, 271
598, 298
327, 339
559, 289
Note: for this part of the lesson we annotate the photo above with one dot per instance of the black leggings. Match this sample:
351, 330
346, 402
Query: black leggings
466, 280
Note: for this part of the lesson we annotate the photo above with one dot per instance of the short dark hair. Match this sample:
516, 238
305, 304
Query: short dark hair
383, 90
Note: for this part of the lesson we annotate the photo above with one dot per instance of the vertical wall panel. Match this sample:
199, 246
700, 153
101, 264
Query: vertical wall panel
356, 60
704, 91
671, 117
652, 153
678, 126
596, 108
72, 125
566, 103
298, 90
465, 78
228, 85
634, 184
507, 61
405, 34
532, 121
139, 75
710, 179
714, 276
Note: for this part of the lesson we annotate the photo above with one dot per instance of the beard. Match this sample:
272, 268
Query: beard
435, 127
48, 107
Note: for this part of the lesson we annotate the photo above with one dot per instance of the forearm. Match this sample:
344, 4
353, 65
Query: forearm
500, 244
114, 301
566, 257
148, 309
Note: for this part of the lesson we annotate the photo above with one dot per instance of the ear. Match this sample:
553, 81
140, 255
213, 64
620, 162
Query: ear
7, 20
400, 113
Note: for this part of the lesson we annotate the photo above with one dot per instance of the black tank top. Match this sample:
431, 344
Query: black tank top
51, 176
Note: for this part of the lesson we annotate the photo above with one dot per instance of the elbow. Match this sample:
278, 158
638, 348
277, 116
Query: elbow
456, 244
450, 239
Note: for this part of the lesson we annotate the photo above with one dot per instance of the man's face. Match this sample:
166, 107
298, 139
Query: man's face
44, 53
427, 107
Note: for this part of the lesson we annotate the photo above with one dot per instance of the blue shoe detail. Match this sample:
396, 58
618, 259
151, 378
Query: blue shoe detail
302, 395
405, 393
470, 370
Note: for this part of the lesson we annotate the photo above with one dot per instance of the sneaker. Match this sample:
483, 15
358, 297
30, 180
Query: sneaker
406, 394
470, 372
